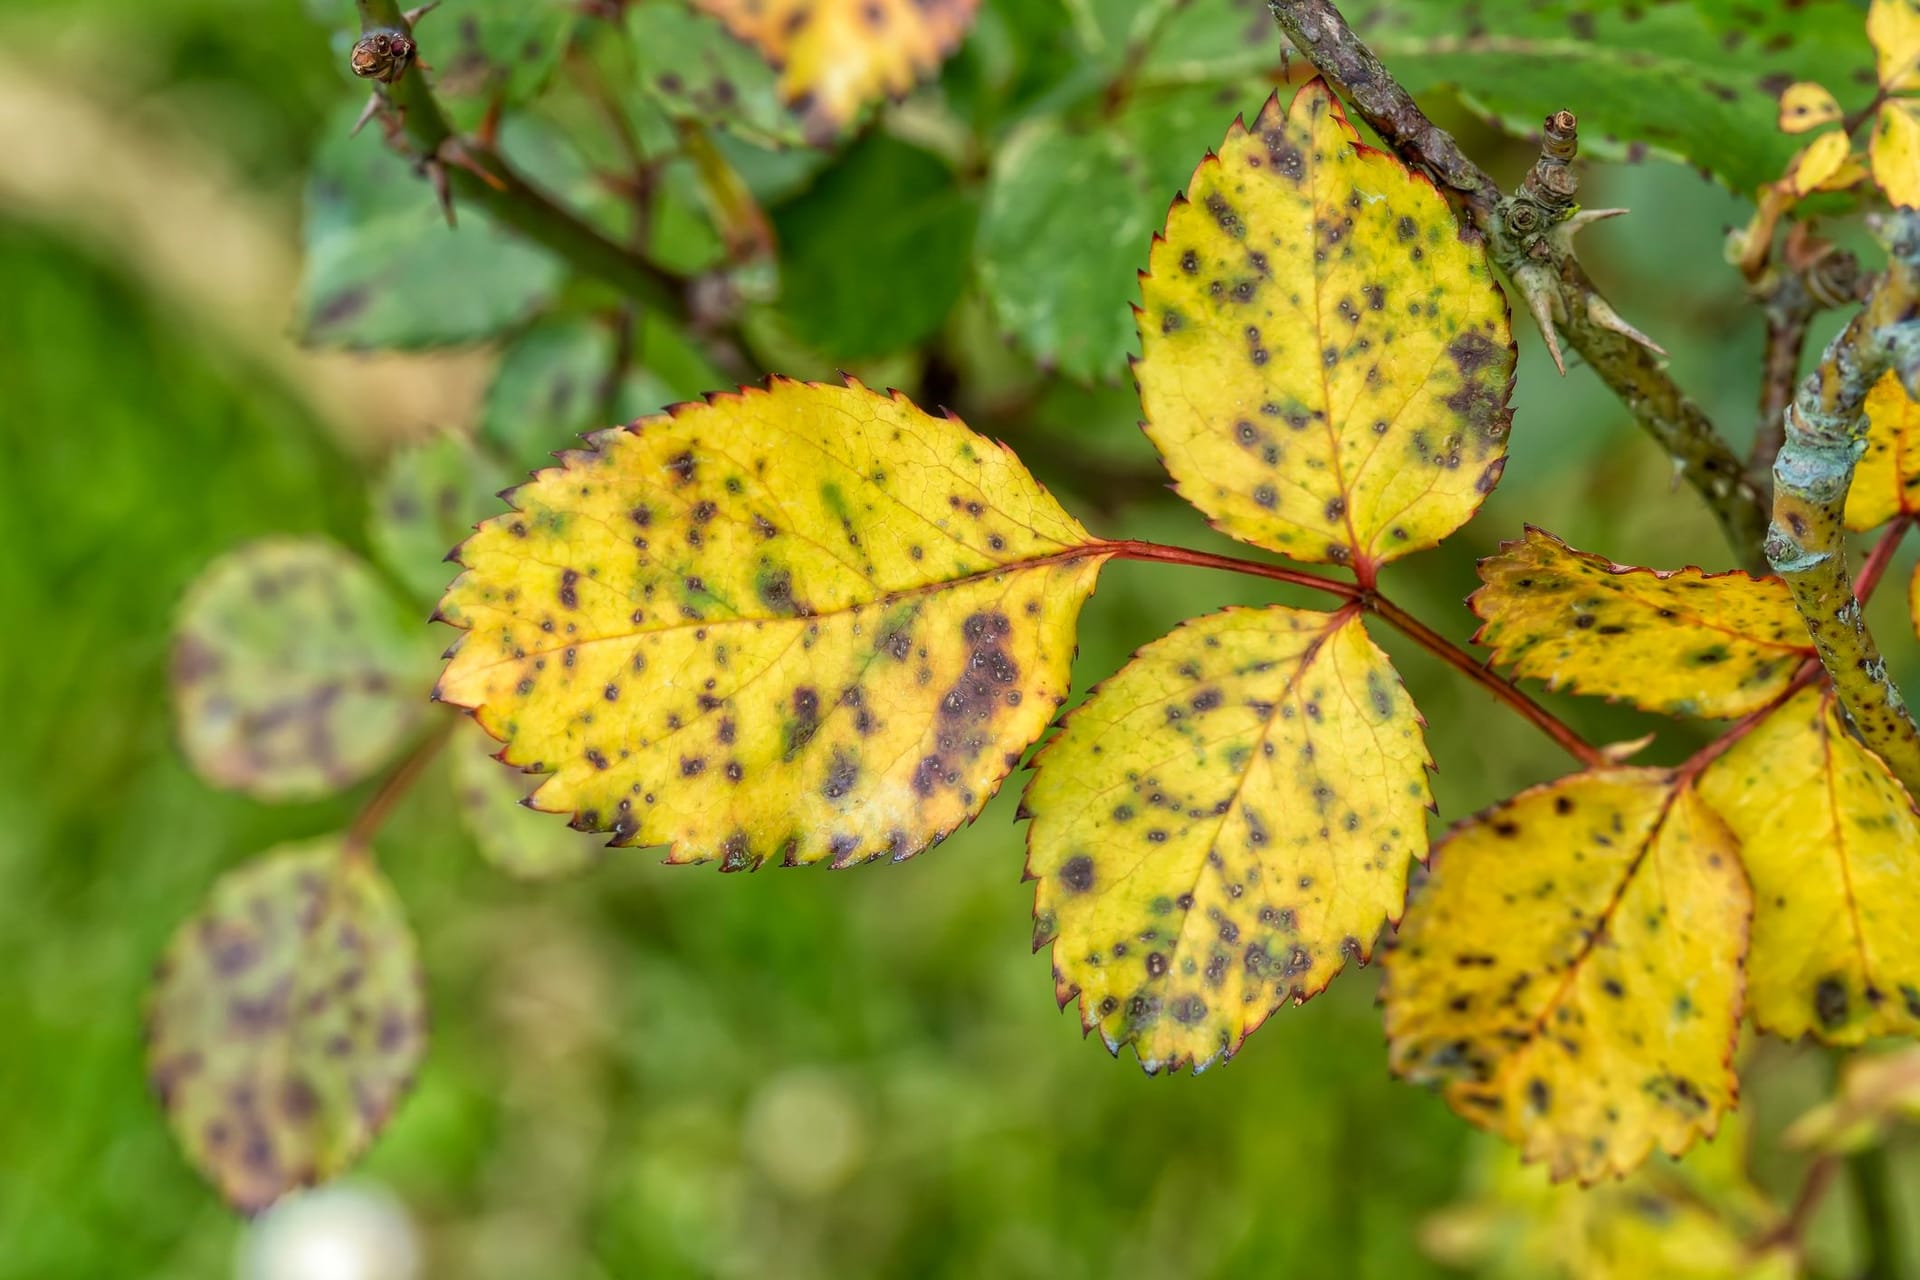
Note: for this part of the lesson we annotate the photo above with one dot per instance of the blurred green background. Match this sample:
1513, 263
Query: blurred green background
648, 1071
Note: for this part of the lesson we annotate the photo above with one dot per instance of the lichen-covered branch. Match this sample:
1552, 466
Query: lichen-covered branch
1826, 431
473, 169
1810, 275
1539, 258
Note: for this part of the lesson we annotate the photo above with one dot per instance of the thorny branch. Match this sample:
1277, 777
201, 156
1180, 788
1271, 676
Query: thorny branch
1530, 234
473, 169
1826, 431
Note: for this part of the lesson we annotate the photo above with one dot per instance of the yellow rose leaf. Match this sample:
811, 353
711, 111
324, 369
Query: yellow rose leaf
1832, 843
811, 622
1806, 106
1700, 1218
1682, 642
1569, 976
285, 1021
836, 56
1894, 28
1222, 826
1886, 480
1817, 163
1895, 152
1326, 358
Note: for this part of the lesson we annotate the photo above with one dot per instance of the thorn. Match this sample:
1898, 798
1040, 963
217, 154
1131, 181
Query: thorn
437, 175
1621, 752
488, 131
1587, 217
1541, 296
366, 113
412, 16
454, 152
1601, 312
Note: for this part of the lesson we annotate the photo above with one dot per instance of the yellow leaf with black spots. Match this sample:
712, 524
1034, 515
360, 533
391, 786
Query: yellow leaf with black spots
1223, 825
1805, 106
1832, 843
1569, 977
1893, 26
836, 56
1895, 152
286, 1020
1680, 641
806, 623
1886, 480
1326, 358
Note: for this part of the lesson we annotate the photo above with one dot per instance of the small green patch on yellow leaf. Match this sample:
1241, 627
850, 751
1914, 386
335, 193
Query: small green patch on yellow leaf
1832, 843
1806, 106
1886, 480
1894, 28
836, 56
1895, 152
522, 843
1569, 977
295, 670
806, 623
1223, 826
285, 1021
1681, 642
1326, 358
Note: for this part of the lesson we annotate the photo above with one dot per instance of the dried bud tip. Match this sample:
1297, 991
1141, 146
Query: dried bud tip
382, 55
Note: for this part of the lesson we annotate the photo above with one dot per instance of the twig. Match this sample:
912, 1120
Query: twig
359, 837
1792, 1231
1542, 257
1393, 615
1826, 433
472, 169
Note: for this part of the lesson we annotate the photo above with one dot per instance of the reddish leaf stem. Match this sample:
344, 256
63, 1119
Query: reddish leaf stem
1875, 565
1131, 550
1465, 663
1393, 615
392, 788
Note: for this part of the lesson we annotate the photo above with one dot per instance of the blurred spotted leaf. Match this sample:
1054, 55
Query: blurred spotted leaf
427, 498
696, 70
482, 51
296, 671
1699, 1218
1680, 641
1886, 480
1326, 359
383, 269
1698, 82
1832, 843
1894, 28
1805, 106
807, 623
286, 1020
836, 56
1569, 977
1223, 826
522, 843
1895, 152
